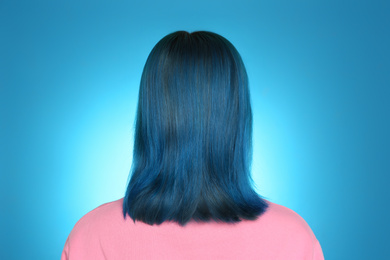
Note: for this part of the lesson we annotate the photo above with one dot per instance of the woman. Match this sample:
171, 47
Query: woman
190, 195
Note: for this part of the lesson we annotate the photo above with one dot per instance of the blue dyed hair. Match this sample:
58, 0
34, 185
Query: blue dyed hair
193, 135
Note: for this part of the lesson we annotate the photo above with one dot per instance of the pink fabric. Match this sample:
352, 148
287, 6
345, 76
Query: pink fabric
102, 233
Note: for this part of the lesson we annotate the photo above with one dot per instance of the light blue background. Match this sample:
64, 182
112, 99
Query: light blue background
319, 80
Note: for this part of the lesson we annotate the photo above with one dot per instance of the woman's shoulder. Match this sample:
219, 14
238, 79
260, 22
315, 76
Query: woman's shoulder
96, 219
293, 231
108, 209
282, 213
85, 239
286, 219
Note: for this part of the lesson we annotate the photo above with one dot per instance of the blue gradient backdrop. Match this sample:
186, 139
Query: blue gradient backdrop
319, 80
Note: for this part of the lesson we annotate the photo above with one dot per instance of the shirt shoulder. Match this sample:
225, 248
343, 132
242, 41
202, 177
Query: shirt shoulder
291, 231
287, 219
84, 240
95, 219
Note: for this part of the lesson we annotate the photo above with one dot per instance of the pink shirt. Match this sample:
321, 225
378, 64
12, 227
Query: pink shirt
279, 233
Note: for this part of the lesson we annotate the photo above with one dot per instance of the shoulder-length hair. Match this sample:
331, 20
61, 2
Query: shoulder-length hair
193, 135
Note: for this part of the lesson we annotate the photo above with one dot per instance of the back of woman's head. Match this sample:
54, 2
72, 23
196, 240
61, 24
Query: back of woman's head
193, 136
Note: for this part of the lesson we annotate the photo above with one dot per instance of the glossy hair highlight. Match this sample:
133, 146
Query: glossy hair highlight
193, 135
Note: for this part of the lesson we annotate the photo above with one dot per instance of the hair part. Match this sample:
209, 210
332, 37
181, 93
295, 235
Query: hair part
193, 135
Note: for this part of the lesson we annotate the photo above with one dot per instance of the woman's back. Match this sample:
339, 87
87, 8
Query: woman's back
103, 233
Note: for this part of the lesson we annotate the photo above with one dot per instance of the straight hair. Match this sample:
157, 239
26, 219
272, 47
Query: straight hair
192, 149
